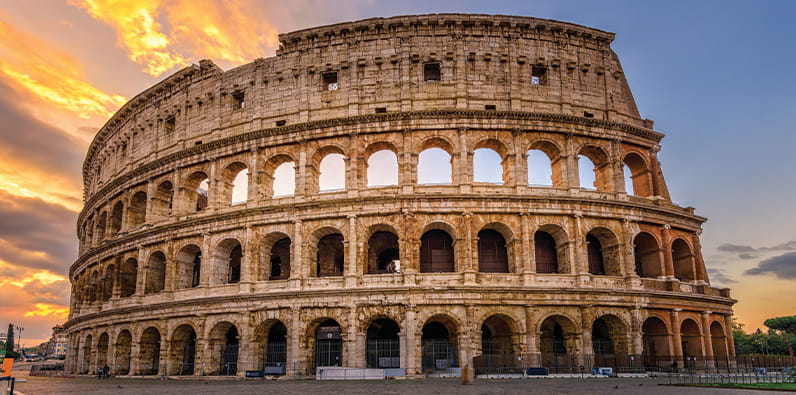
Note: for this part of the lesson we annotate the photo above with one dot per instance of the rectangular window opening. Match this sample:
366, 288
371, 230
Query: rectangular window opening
538, 75
381, 110
170, 124
330, 81
490, 107
281, 122
198, 142
431, 72
588, 114
238, 100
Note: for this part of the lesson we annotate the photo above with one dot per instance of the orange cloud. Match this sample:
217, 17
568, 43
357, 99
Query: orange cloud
226, 31
47, 310
51, 75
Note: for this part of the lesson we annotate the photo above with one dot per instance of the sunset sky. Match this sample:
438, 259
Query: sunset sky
717, 77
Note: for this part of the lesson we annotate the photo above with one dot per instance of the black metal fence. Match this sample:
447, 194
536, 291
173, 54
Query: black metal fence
383, 353
438, 355
761, 375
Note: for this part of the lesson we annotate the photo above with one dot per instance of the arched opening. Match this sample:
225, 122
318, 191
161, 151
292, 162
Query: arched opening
610, 342
128, 277
284, 183
331, 255
149, 351
122, 355
383, 253
227, 262
223, 347
279, 260
195, 193
719, 342
328, 344
436, 252
646, 252
691, 338
487, 166
540, 169
656, 343
163, 200
88, 232
601, 338
497, 346
439, 341
382, 169
434, 166
136, 213
95, 288
116, 218
102, 350
102, 224
683, 261
557, 339
492, 253
603, 252
107, 283
236, 183
332, 173
183, 351
272, 341
155, 273
546, 252
638, 179
87, 365
382, 344
189, 266
594, 170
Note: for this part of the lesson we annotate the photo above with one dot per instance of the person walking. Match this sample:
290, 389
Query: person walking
105, 370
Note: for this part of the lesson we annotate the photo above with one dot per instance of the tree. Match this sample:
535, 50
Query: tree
786, 326
10, 339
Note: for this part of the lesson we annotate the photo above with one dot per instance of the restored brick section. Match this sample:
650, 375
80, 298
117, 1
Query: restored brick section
506, 83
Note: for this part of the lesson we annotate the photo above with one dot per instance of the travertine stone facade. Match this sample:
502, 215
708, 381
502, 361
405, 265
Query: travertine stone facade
173, 278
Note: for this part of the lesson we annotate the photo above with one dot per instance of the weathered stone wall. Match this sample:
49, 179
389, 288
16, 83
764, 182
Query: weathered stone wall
134, 300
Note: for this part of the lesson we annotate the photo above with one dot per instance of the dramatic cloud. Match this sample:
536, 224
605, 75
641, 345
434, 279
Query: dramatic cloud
735, 248
52, 76
782, 266
220, 30
719, 276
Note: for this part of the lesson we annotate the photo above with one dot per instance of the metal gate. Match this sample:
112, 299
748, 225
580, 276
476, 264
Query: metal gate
438, 354
383, 353
229, 360
328, 352
275, 357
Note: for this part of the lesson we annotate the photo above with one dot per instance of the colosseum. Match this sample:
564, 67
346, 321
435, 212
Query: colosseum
413, 194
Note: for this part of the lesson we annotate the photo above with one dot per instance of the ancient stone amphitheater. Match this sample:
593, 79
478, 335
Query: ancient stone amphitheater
414, 193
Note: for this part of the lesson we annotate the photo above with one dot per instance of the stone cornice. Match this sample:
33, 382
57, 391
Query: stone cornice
361, 120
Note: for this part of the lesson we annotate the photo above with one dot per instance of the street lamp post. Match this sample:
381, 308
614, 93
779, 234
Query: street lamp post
19, 339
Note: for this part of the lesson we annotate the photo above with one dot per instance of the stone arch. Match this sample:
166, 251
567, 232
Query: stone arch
276, 256
123, 353
329, 259
227, 262
128, 277
87, 351
182, 353
493, 252
383, 250
331, 156
95, 287
189, 266
272, 339
640, 175
136, 213
437, 253
683, 260
102, 224
324, 337
557, 338
602, 169
155, 273
279, 176
103, 345
384, 156
603, 252
439, 341
655, 339
553, 153
498, 148
117, 217
646, 251
163, 201
108, 282
149, 351
425, 159
234, 185
499, 337
610, 335
382, 343
222, 344
195, 192
691, 336
718, 337
550, 241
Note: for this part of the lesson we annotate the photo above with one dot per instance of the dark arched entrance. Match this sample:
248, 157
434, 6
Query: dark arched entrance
328, 344
439, 348
382, 348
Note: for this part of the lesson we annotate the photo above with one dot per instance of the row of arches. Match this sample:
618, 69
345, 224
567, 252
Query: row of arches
199, 189
436, 253
437, 344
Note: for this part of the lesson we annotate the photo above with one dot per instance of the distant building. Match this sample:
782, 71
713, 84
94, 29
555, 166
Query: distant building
56, 346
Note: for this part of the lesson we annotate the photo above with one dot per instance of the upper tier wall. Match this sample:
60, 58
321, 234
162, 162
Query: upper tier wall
379, 65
